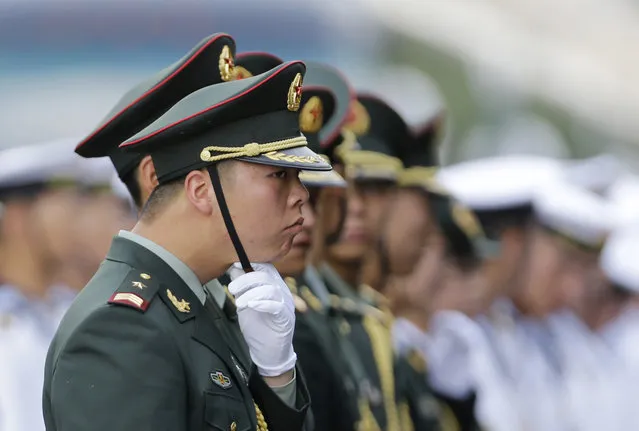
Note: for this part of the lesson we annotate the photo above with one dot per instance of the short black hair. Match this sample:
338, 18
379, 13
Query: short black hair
160, 197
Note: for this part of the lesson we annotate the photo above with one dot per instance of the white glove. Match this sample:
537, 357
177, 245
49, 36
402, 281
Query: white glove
266, 313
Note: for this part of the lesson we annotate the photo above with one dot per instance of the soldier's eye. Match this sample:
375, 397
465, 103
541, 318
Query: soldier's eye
280, 174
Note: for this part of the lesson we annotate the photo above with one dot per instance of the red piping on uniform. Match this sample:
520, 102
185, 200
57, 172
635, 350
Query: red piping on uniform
217, 105
151, 90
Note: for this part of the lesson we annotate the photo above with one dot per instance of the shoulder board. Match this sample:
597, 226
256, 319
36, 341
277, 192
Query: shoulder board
312, 300
300, 305
371, 295
291, 283
417, 361
137, 290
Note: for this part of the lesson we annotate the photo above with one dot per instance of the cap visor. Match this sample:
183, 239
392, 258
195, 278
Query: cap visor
299, 157
322, 179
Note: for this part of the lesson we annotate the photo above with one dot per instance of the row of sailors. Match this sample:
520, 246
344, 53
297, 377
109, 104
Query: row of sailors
504, 309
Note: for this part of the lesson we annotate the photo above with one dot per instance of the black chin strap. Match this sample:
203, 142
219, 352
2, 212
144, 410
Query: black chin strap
226, 215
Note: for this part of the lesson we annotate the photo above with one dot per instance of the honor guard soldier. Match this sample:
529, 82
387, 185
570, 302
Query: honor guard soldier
499, 190
209, 62
408, 232
145, 346
566, 287
325, 106
366, 156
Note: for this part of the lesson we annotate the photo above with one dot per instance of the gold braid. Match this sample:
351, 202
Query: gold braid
383, 353
261, 422
253, 149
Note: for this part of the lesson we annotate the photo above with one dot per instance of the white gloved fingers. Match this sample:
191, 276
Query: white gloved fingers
247, 282
235, 271
266, 306
258, 293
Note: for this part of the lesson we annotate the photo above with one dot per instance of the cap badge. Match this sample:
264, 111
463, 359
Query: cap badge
358, 121
240, 72
182, 306
312, 115
295, 94
226, 64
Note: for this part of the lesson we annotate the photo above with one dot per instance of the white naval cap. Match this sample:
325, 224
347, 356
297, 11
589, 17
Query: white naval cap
497, 183
95, 172
619, 258
624, 200
38, 163
573, 212
596, 173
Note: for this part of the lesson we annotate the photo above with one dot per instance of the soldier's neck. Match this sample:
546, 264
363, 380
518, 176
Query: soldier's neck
202, 252
22, 268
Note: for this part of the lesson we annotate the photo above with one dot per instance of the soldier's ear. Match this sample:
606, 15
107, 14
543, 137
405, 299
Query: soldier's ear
199, 191
147, 177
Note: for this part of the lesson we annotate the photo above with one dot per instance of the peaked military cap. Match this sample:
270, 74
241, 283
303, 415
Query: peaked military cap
619, 258
253, 119
464, 237
208, 63
248, 64
622, 196
370, 139
573, 213
419, 155
498, 189
30, 169
324, 108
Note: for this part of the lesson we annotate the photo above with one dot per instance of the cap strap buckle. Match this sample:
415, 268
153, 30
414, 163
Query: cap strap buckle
250, 150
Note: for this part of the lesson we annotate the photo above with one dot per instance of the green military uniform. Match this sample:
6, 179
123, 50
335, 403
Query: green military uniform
380, 144
325, 106
139, 348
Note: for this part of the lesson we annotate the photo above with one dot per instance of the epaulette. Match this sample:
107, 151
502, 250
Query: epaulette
310, 298
373, 296
417, 361
137, 290
300, 304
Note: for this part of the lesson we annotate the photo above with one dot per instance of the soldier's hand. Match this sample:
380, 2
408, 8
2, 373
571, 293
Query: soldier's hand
266, 313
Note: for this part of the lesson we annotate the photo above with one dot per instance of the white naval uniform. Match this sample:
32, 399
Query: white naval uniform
26, 330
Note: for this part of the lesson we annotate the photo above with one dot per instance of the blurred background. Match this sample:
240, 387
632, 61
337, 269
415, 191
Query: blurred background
517, 75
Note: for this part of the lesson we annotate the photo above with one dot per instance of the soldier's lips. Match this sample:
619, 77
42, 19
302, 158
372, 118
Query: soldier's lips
302, 240
296, 227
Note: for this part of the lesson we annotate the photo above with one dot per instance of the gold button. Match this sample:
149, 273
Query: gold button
145, 276
233, 426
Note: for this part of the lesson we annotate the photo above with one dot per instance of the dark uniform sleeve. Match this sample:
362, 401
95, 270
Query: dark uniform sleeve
279, 416
118, 371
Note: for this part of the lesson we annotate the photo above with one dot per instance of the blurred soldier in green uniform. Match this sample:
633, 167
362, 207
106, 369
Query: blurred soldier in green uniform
325, 105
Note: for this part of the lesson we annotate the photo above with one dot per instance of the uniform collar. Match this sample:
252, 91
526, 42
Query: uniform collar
180, 268
336, 282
